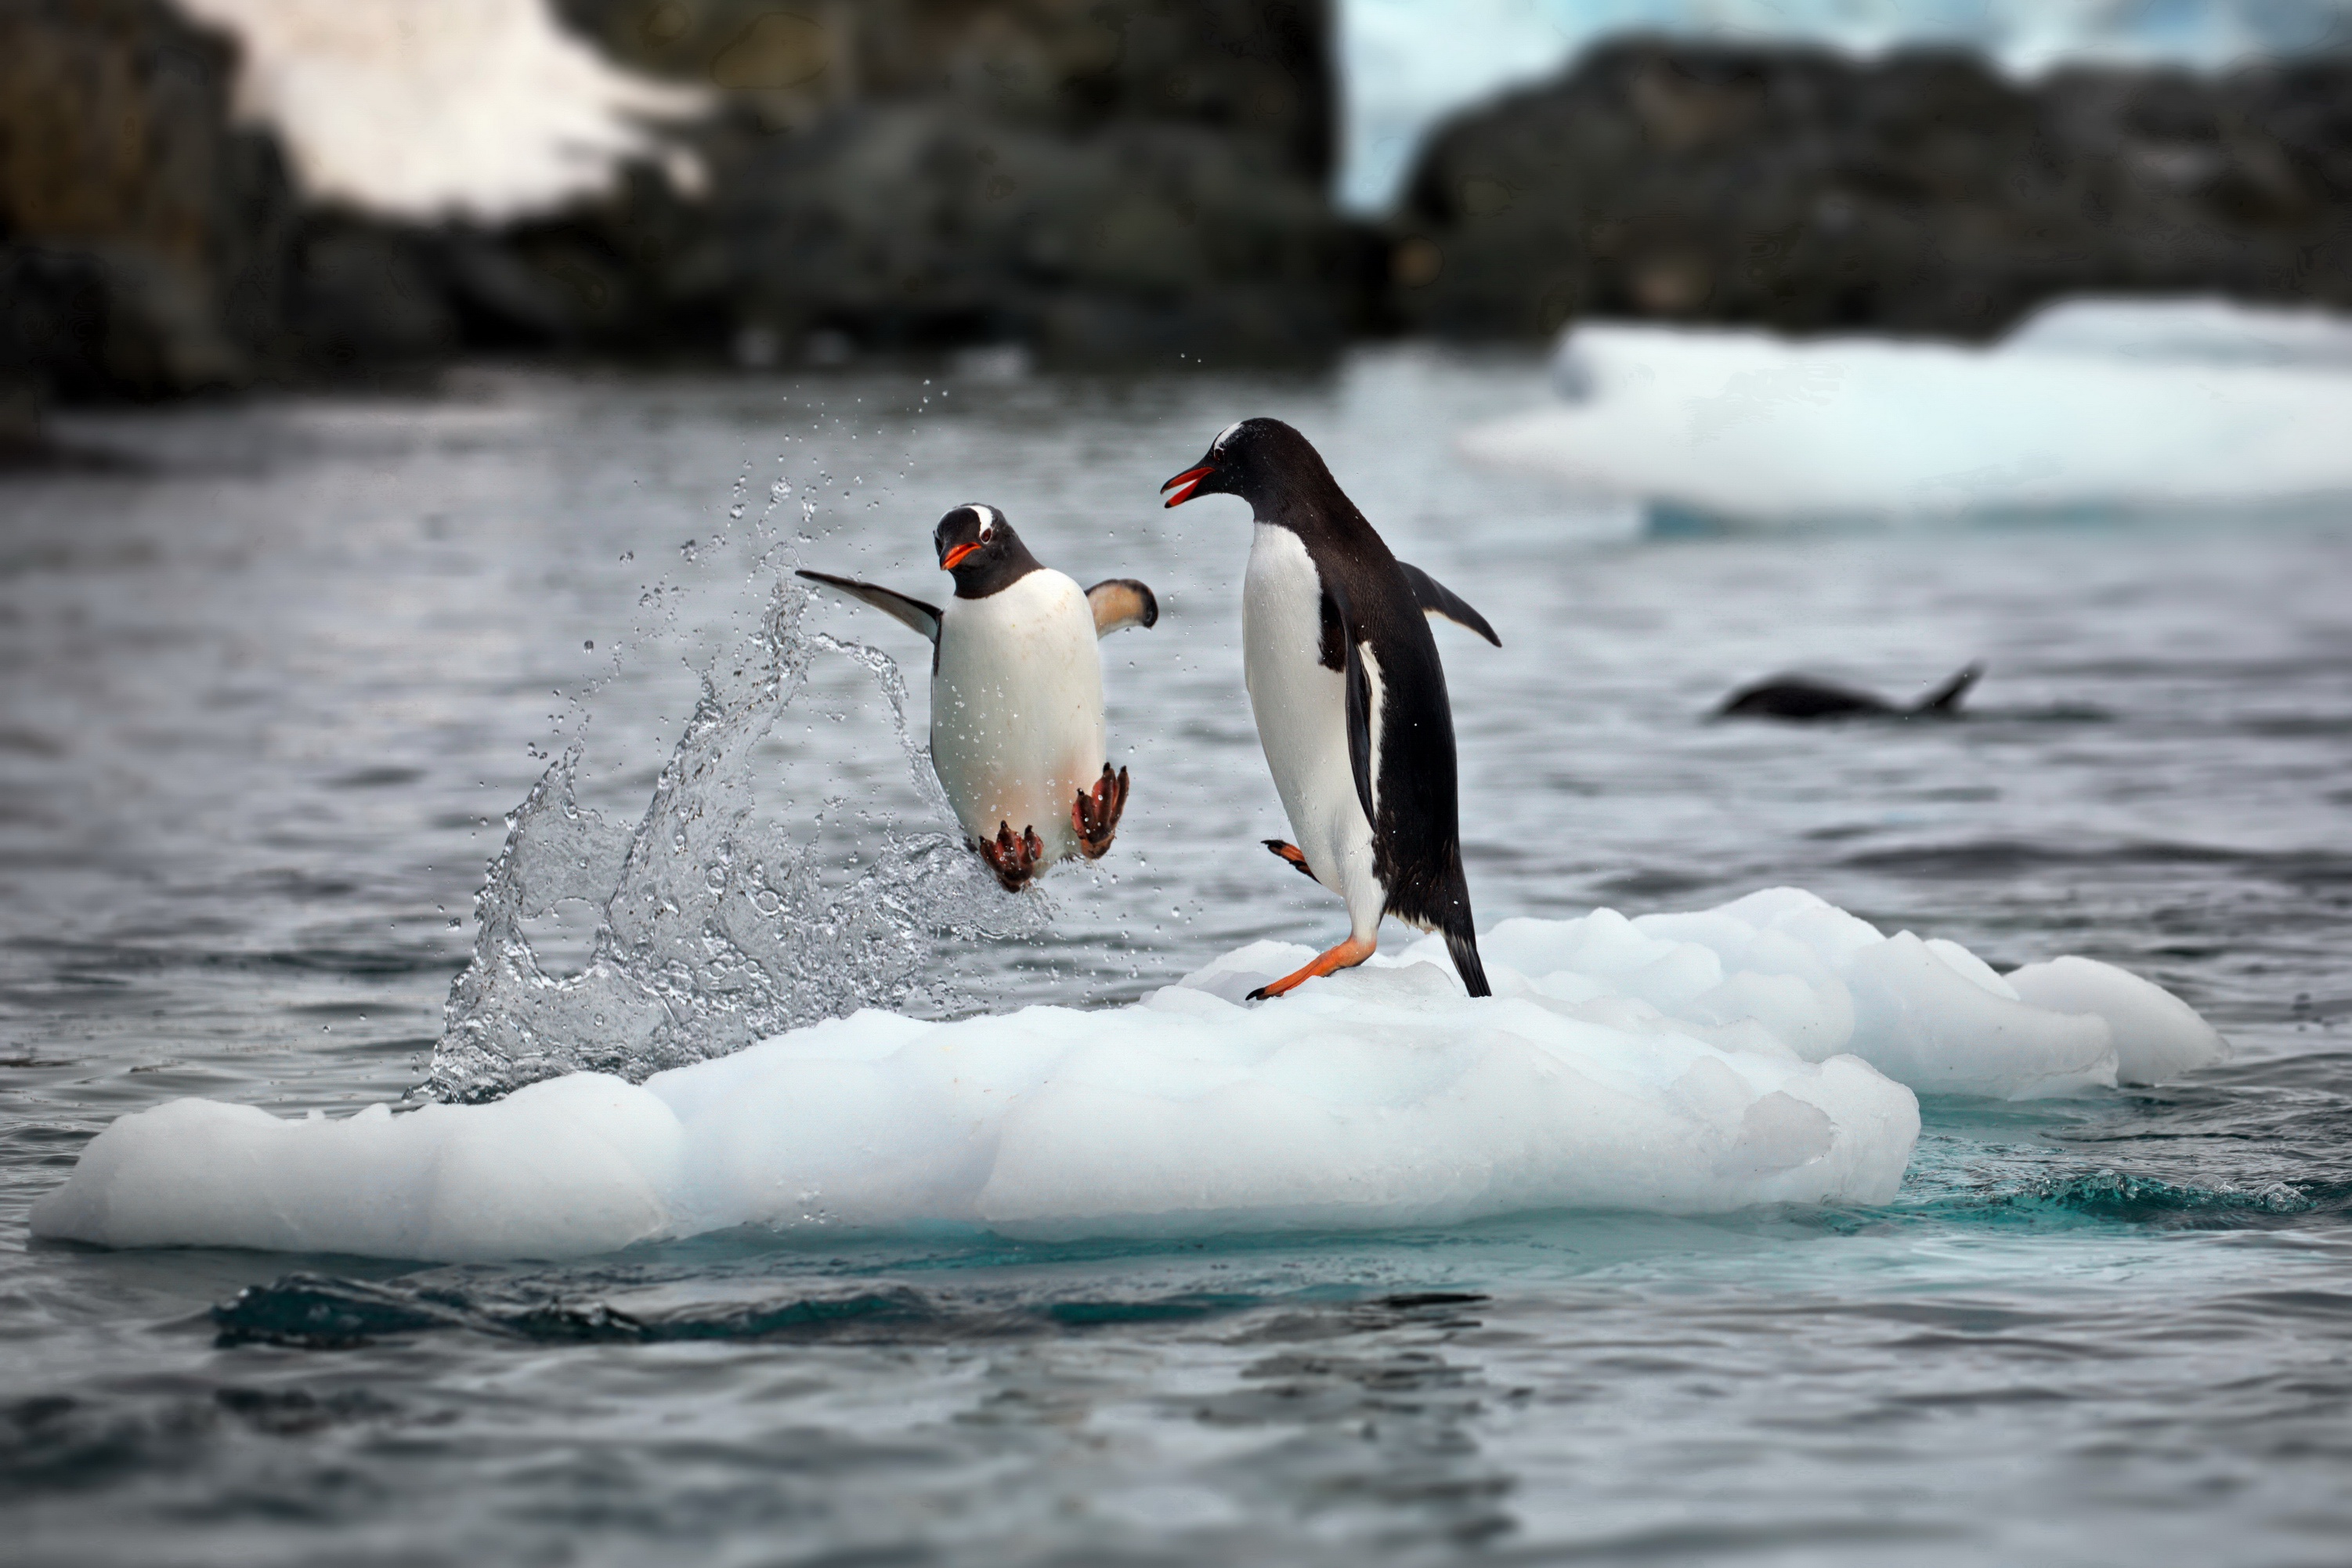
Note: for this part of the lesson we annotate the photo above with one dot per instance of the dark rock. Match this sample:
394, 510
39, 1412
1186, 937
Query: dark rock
1254, 71
142, 238
1105, 181
366, 296
1919, 193
912, 224
1095, 180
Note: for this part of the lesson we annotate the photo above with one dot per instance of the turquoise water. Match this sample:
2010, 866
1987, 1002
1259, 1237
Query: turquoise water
271, 690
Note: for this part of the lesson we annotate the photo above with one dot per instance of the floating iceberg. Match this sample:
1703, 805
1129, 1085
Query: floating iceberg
2091, 406
1758, 1053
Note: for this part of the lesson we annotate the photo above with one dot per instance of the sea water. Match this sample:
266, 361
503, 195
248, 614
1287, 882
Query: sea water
277, 686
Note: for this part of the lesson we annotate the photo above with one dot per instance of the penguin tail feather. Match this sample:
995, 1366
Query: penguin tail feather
1462, 943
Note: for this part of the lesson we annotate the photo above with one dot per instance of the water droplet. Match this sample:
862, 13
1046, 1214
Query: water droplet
590, 645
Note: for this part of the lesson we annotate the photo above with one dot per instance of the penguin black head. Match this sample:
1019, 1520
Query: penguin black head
981, 550
1263, 461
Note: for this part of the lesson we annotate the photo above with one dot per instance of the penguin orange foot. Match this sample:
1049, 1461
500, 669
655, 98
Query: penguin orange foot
1346, 955
1095, 813
1014, 860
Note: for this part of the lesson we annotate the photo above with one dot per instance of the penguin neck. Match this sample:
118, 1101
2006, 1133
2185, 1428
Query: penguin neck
1323, 517
993, 571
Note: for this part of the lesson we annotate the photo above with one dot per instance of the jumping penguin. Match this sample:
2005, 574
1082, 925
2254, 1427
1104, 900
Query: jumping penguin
1017, 694
1350, 697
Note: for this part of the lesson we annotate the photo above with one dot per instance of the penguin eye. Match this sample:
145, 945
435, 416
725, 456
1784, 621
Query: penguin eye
987, 531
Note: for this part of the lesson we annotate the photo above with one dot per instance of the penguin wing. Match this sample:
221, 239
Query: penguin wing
924, 618
1361, 760
1119, 602
1435, 598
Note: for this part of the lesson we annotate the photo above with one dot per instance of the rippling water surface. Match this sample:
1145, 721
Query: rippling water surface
272, 686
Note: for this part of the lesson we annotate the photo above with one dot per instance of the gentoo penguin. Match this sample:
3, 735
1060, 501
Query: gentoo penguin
1799, 698
1350, 698
1017, 694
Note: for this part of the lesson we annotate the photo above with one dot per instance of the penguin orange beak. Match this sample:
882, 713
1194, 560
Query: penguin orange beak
1185, 483
948, 561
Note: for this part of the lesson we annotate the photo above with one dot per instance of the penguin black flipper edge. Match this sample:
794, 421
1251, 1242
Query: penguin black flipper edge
1435, 598
914, 613
1121, 601
1361, 760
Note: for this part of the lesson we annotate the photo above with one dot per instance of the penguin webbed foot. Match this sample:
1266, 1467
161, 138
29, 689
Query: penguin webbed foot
1095, 813
1013, 860
1346, 955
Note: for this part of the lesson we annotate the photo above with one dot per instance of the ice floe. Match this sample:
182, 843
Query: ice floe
2092, 405
1764, 1052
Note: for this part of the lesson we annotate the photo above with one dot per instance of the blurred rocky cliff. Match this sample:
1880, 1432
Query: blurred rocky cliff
144, 241
1123, 182
1098, 179
1921, 193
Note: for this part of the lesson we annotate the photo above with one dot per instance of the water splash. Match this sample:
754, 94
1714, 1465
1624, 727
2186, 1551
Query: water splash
714, 929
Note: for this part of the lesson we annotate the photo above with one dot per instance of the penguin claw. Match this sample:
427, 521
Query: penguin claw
1014, 860
1095, 813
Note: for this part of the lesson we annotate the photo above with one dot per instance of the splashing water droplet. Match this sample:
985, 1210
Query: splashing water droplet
714, 929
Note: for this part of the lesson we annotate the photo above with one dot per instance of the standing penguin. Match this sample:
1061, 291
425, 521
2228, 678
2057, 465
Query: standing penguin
1350, 698
1017, 694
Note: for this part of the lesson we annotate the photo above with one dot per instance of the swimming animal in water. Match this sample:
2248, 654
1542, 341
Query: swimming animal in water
1350, 697
1795, 697
1017, 693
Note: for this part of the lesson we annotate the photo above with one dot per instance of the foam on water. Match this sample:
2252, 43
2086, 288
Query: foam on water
2092, 405
1757, 1053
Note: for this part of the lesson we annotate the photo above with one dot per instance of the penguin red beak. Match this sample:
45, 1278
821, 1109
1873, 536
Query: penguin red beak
1185, 483
948, 563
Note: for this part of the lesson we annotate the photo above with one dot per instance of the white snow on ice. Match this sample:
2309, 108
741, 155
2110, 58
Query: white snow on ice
1757, 1053
2092, 405
425, 108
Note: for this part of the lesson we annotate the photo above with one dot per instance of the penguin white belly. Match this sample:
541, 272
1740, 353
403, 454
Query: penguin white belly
1301, 709
1017, 709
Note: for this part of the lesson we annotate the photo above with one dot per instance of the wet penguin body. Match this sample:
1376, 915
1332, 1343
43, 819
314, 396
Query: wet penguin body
1350, 697
1017, 732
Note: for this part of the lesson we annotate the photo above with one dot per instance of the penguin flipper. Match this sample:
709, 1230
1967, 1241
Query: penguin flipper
1361, 760
1945, 698
1435, 598
1121, 601
922, 618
